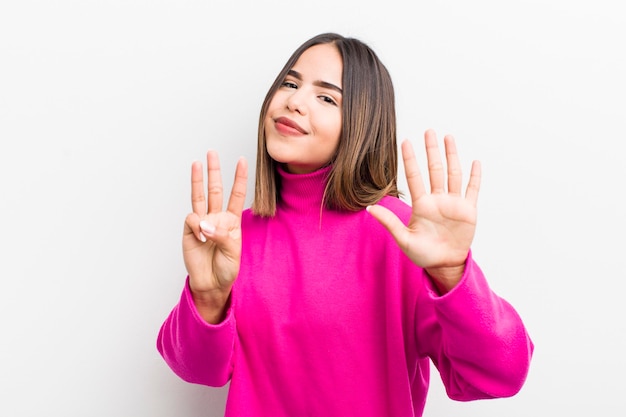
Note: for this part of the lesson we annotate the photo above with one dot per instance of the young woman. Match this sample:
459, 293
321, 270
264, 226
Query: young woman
329, 296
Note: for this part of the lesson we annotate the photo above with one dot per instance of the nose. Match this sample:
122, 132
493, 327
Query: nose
296, 102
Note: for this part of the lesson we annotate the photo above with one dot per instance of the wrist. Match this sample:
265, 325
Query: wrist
211, 305
446, 278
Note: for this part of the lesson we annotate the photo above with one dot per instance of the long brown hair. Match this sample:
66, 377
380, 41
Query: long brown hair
365, 166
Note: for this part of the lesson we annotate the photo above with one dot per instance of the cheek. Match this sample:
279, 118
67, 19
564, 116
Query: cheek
271, 108
266, 124
277, 101
333, 130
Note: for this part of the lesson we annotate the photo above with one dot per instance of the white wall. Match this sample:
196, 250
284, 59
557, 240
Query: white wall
104, 104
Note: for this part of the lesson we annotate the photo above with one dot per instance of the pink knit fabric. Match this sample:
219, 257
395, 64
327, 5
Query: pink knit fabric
329, 318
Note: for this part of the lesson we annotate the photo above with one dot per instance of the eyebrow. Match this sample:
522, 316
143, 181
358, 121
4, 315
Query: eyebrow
318, 83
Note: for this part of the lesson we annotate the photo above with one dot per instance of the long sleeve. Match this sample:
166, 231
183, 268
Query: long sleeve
329, 317
195, 350
476, 339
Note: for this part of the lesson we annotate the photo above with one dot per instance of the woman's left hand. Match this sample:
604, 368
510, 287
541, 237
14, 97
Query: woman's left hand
442, 224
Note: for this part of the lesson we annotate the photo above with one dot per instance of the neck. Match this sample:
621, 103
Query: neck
303, 193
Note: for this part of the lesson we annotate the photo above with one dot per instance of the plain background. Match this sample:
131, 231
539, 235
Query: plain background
105, 104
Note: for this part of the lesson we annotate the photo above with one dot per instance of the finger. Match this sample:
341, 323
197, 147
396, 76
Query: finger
455, 180
215, 190
192, 225
198, 203
412, 172
238, 193
435, 165
390, 221
473, 186
221, 232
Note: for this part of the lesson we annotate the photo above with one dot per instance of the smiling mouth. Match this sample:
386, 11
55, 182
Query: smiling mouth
286, 125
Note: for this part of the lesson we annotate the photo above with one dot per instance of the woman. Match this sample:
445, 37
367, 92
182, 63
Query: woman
330, 295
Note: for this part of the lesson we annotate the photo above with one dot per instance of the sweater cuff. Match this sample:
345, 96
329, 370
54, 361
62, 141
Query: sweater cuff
468, 271
187, 298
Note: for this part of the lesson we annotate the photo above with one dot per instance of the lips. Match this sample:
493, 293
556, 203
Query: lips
288, 125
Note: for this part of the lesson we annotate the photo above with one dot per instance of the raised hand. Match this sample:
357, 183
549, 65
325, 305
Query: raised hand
443, 222
212, 237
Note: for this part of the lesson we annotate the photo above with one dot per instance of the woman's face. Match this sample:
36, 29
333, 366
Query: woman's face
303, 120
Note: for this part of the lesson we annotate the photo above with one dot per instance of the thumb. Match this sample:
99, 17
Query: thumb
389, 220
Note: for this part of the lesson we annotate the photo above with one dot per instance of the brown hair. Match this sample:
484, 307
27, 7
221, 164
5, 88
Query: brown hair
364, 168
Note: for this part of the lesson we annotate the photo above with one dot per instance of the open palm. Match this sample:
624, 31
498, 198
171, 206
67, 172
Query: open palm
443, 222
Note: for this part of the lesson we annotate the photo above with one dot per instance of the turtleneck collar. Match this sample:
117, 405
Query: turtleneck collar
302, 192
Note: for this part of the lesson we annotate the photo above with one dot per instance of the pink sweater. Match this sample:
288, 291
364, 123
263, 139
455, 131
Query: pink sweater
329, 318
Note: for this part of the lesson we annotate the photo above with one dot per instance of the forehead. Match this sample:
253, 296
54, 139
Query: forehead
321, 62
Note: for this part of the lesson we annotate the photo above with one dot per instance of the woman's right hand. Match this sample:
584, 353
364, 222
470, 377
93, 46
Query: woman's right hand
212, 237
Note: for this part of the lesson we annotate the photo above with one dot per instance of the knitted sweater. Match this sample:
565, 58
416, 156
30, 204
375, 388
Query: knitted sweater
329, 318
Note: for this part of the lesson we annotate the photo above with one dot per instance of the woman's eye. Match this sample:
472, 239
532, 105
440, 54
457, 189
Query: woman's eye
328, 100
289, 84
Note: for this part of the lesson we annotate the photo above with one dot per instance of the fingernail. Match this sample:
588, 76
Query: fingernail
207, 228
202, 238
